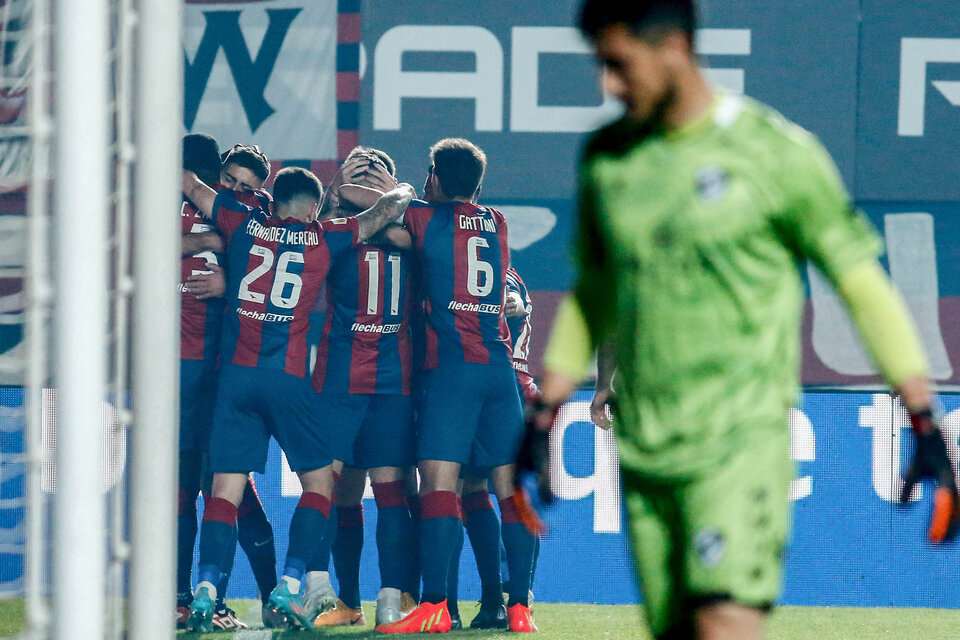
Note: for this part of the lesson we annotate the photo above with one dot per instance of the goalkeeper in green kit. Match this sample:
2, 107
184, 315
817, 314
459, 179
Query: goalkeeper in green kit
695, 209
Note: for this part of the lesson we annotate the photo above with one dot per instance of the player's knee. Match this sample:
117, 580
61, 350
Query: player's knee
502, 480
438, 475
319, 481
228, 486
729, 621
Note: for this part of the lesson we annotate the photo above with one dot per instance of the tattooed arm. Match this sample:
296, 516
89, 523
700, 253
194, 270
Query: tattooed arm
388, 208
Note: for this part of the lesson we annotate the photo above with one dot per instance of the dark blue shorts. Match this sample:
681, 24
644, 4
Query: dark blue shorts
471, 415
198, 396
254, 404
368, 430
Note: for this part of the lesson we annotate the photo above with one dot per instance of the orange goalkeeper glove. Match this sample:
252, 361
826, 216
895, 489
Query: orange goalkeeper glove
533, 460
930, 460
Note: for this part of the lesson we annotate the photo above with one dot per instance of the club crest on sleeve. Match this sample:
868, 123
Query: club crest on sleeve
710, 547
712, 182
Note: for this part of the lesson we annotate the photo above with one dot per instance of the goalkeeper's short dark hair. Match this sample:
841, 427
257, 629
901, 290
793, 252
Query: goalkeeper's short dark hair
459, 166
639, 16
293, 183
249, 156
201, 154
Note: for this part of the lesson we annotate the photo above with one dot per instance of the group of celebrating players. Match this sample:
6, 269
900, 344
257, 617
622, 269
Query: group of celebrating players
420, 366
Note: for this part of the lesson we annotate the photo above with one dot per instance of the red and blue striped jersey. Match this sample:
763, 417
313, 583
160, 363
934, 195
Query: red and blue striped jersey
275, 271
520, 335
201, 320
464, 258
365, 344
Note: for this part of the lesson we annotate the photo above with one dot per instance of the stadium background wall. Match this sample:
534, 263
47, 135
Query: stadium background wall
877, 80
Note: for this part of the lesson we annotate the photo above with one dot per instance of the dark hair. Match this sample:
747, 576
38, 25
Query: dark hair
380, 155
639, 15
201, 154
294, 182
249, 157
459, 166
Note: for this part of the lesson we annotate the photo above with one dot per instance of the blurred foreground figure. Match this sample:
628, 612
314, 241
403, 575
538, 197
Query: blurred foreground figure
695, 209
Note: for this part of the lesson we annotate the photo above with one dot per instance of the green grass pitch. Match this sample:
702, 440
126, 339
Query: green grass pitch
586, 622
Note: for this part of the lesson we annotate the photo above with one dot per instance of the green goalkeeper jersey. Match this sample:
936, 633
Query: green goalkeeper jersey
689, 248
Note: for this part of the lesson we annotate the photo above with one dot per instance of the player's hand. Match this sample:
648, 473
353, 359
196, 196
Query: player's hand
349, 171
600, 408
533, 462
531, 392
208, 285
515, 307
376, 176
534, 453
344, 175
930, 460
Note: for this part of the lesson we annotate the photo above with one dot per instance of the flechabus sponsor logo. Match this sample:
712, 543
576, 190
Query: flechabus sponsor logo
374, 328
264, 317
521, 366
473, 307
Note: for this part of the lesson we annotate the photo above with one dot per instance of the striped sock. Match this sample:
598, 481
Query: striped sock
309, 524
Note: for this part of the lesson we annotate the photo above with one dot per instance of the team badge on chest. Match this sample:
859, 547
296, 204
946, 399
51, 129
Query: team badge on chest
712, 183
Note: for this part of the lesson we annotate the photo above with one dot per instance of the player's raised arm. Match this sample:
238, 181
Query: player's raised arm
388, 208
360, 196
198, 193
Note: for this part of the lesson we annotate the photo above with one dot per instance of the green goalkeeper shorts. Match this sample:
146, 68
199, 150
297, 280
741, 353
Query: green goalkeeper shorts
718, 537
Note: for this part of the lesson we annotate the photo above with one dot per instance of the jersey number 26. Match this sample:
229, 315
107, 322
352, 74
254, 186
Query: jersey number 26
280, 281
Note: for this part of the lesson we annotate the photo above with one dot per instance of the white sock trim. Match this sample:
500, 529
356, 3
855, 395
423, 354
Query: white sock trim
293, 585
389, 594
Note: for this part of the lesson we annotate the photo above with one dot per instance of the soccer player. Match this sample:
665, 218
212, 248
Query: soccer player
203, 247
245, 168
366, 173
277, 260
480, 520
695, 209
362, 378
471, 408
200, 322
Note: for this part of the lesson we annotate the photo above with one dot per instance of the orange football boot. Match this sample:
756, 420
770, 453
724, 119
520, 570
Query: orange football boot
426, 618
341, 616
520, 619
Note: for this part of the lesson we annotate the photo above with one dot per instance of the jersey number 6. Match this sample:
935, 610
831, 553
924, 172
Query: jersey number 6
477, 268
280, 281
